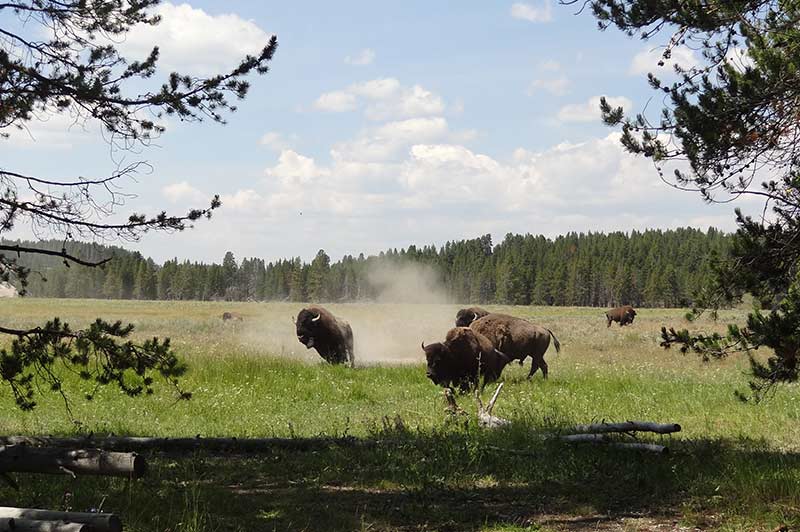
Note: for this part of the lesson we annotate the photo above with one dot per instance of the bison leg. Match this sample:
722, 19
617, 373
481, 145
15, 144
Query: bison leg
543, 365
534, 367
609, 322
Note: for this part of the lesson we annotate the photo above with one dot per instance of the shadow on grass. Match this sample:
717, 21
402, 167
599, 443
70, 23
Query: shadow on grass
456, 478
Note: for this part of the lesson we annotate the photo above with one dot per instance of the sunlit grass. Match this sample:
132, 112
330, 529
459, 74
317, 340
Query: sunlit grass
735, 461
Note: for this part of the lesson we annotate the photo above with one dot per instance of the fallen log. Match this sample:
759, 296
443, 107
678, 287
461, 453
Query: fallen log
627, 426
134, 443
485, 417
50, 460
11, 524
95, 522
605, 439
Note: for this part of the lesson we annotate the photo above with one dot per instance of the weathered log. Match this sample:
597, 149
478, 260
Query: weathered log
627, 426
605, 439
133, 443
485, 417
97, 522
12, 524
26, 459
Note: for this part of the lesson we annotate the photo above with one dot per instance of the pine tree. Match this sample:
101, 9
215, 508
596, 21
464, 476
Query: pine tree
734, 118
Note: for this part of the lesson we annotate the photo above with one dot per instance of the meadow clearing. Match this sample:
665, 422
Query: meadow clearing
734, 466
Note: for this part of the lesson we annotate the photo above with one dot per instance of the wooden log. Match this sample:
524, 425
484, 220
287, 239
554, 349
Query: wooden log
23, 458
605, 439
133, 443
11, 524
485, 417
97, 522
627, 426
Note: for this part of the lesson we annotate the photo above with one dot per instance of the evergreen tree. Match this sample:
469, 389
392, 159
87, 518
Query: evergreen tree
734, 121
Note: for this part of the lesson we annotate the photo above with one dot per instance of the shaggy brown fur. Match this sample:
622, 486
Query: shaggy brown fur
332, 337
518, 339
462, 358
465, 316
622, 315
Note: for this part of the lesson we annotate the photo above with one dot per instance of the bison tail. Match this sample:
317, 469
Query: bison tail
556, 343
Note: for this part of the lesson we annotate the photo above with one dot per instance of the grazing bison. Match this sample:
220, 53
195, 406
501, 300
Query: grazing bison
462, 358
622, 315
465, 316
227, 316
518, 339
332, 337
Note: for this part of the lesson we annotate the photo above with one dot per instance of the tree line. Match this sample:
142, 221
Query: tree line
653, 268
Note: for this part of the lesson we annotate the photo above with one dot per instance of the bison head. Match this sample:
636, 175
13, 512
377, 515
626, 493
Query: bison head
437, 357
306, 326
465, 316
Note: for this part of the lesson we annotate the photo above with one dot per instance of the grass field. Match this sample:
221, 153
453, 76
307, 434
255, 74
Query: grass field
733, 467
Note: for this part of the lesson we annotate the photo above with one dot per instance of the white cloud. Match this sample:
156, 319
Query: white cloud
336, 102
385, 142
247, 199
648, 61
293, 168
183, 192
542, 12
589, 111
51, 130
439, 190
275, 141
191, 40
556, 83
739, 58
364, 57
383, 99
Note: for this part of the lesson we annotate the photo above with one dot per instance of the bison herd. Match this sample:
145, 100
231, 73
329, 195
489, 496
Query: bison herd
476, 350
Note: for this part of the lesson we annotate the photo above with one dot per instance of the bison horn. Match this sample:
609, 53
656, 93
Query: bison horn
294, 320
423, 345
319, 315
474, 316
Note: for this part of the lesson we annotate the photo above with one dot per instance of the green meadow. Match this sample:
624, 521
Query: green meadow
734, 466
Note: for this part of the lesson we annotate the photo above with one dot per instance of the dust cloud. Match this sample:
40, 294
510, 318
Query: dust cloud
410, 306
406, 283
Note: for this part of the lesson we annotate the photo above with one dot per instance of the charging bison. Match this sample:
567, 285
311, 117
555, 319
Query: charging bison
464, 356
332, 337
518, 339
623, 315
465, 316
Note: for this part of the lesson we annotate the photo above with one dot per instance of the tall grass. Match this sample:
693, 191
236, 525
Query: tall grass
734, 465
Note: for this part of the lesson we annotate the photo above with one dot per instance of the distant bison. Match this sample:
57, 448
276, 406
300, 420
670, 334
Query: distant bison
462, 358
332, 337
623, 315
517, 338
227, 316
465, 316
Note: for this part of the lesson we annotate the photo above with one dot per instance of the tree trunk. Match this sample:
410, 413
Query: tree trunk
96, 522
627, 426
11, 524
22, 458
132, 443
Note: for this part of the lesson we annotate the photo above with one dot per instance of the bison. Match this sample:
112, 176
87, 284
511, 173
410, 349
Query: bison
518, 339
332, 337
623, 315
465, 316
232, 316
464, 356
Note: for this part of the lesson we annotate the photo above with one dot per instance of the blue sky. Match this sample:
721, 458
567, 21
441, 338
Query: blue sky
388, 124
